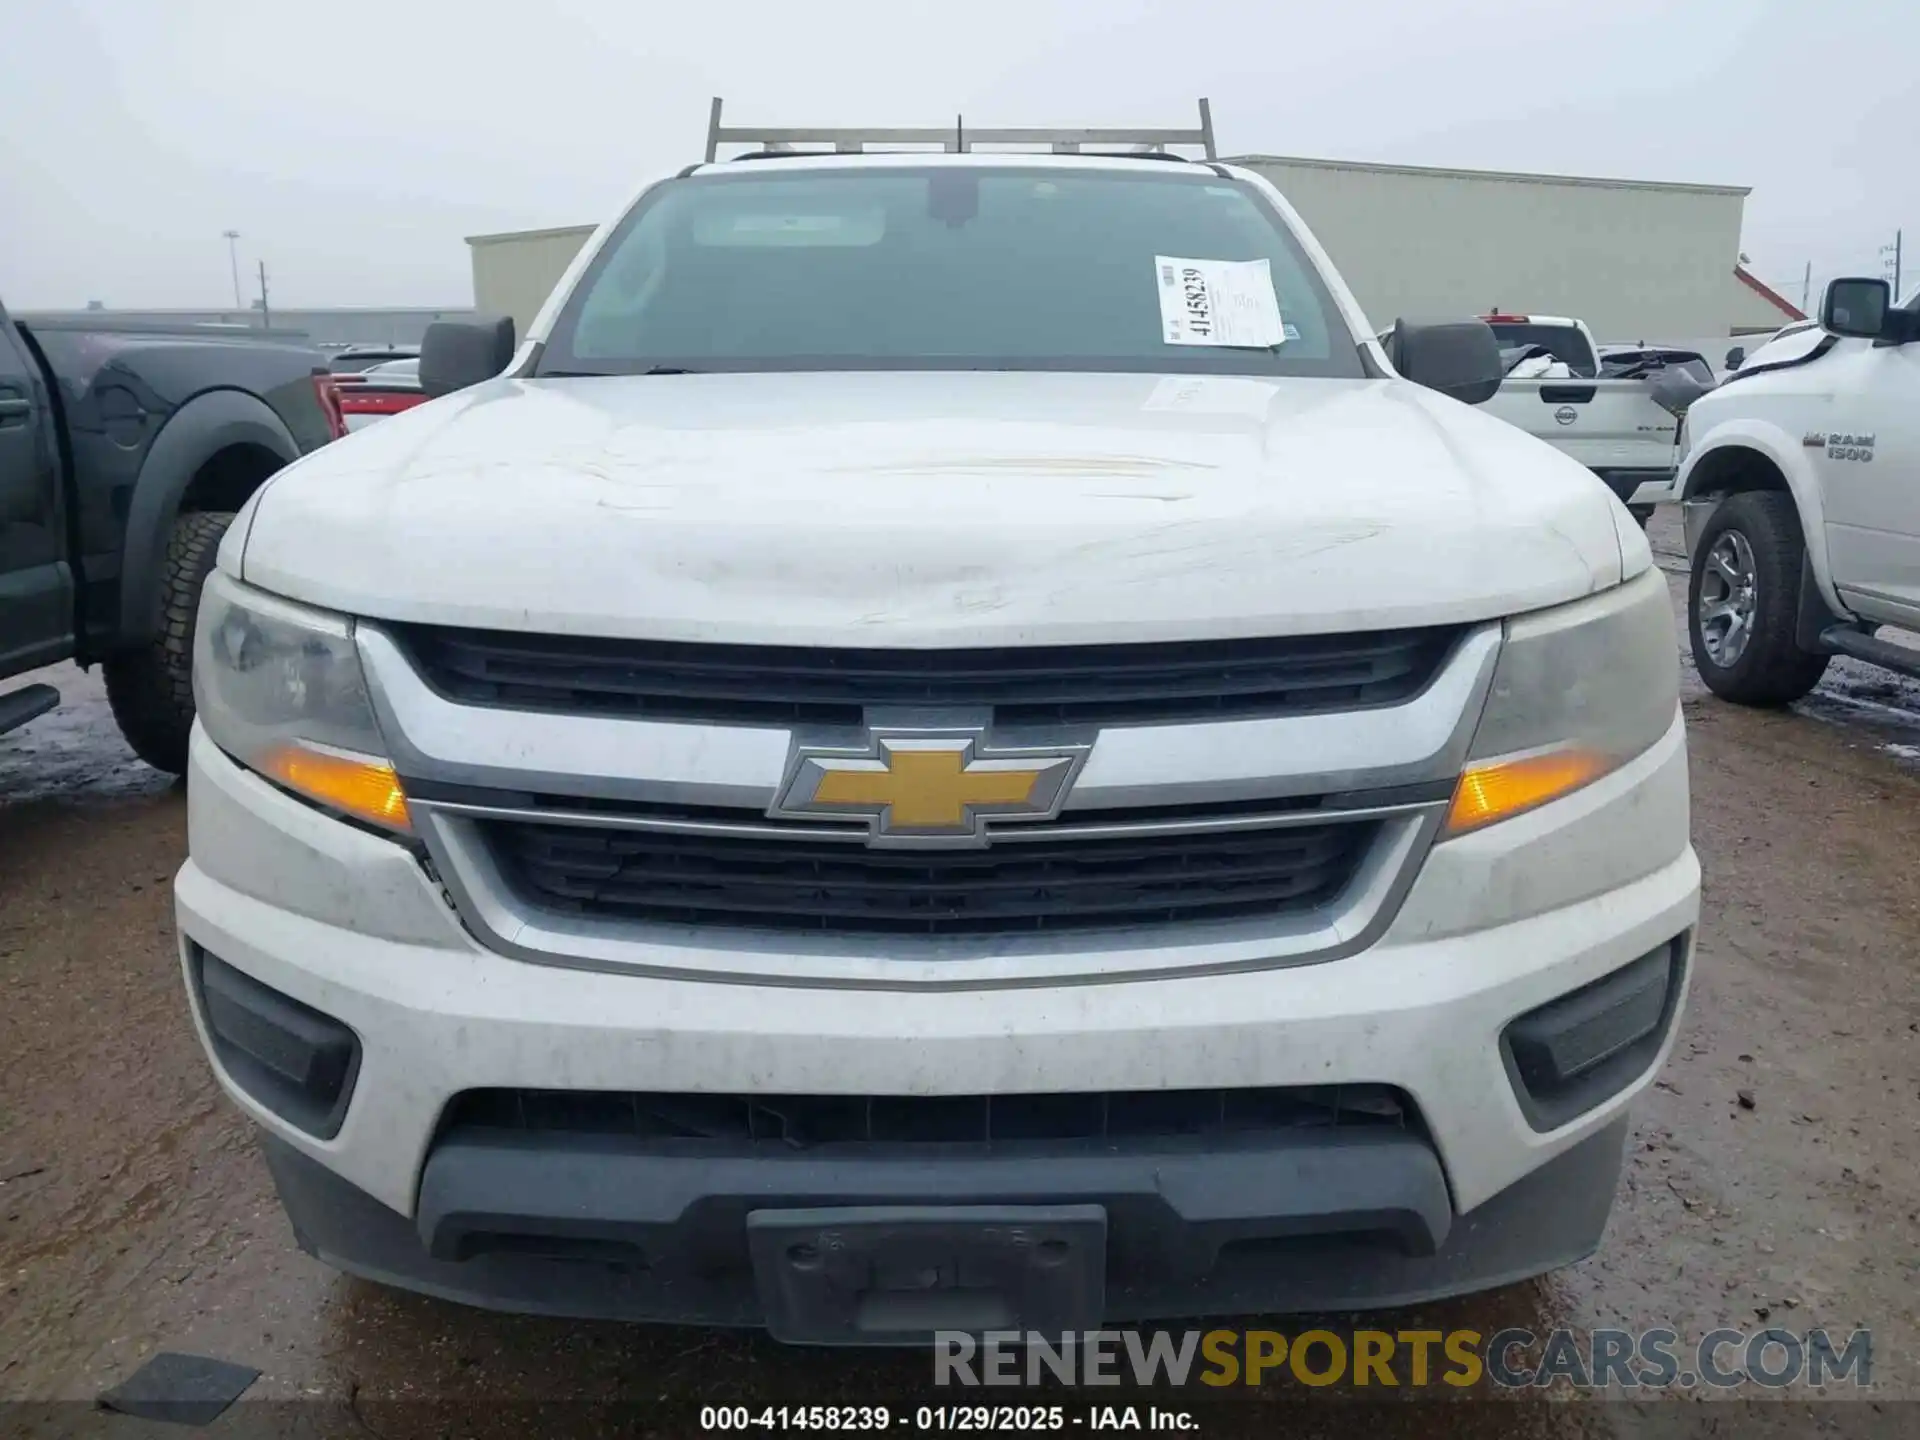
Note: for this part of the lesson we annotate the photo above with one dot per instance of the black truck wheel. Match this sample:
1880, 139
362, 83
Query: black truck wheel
151, 688
1743, 602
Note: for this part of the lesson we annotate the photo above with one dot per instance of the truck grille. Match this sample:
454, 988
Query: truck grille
1019, 888
786, 685
802, 1122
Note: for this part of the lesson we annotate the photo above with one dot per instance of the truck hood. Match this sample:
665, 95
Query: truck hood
934, 509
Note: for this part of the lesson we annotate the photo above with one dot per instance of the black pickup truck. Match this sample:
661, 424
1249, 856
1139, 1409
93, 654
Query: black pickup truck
124, 453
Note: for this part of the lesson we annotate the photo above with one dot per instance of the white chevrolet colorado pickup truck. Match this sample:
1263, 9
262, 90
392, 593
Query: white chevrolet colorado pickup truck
1801, 492
952, 745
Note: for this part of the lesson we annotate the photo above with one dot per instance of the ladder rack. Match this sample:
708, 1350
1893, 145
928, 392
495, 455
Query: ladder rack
959, 139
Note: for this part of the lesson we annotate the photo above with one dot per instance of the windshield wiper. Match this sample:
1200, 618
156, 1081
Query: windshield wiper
607, 374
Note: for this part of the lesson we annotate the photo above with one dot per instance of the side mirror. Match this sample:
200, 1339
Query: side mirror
1459, 358
1674, 387
1856, 307
1734, 356
458, 353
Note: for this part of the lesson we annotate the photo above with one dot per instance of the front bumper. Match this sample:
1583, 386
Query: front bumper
1158, 1263
1498, 923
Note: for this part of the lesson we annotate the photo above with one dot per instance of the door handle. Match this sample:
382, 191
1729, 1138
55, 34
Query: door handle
14, 409
1566, 394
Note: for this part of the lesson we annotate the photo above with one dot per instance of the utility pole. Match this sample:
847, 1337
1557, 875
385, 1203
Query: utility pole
1806, 288
233, 260
266, 316
1892, 254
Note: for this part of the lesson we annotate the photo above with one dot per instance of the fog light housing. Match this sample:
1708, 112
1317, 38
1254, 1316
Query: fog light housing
288, 1057
1576, 1052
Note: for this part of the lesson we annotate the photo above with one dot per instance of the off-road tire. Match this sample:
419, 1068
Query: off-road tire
151, 688
1772, 669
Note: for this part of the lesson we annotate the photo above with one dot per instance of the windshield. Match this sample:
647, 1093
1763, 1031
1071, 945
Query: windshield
1637, 363
942, 268
1760, 352
356, 362
1563, 342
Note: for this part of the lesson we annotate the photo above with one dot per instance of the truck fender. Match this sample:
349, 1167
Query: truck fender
193, 435
1698, 478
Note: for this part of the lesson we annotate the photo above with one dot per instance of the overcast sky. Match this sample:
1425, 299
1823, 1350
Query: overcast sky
353, 144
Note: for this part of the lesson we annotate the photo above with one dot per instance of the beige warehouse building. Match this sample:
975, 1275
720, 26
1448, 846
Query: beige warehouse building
514, 272
1637, 260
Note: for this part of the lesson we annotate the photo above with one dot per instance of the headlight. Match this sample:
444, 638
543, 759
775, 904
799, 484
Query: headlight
278, 687
1578, 691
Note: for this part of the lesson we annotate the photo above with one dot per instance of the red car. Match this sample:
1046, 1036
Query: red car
379, 391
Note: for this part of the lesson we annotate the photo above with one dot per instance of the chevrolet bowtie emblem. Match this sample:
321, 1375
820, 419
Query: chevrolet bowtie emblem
927, 787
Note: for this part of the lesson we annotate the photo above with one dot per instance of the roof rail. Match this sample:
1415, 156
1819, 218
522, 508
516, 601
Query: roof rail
769, 142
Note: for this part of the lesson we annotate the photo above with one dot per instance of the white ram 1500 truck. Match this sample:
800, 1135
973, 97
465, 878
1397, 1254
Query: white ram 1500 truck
953, 744
1801, 492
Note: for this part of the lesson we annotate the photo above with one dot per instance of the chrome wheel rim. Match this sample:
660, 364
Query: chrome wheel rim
1728, 591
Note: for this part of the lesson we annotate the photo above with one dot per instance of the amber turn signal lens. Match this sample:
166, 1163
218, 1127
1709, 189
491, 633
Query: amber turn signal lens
365, 789
1497, 789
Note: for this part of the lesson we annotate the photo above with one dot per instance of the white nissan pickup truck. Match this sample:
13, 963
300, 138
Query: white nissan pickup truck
948, 742
1615, 409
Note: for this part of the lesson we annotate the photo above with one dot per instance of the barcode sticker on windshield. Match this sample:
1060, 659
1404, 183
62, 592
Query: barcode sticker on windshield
1218, 302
